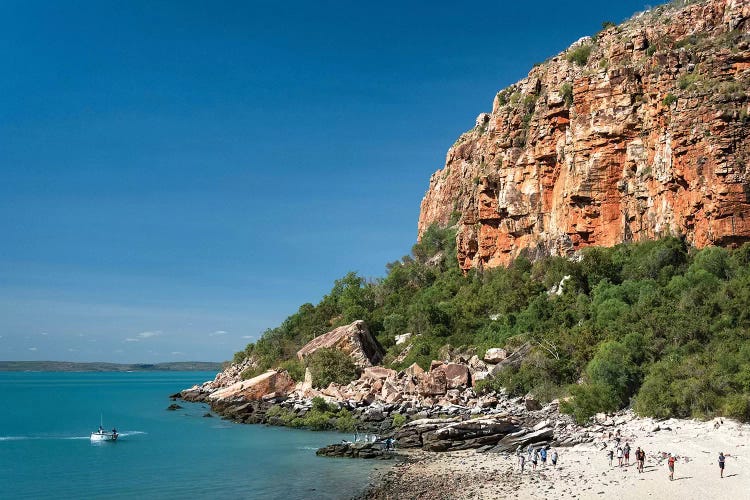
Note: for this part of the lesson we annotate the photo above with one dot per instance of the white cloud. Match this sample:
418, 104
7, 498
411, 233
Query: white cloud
131, 339
247, 336
44, 333
146, 335
177, 353
216, 333
70, 349
32, 348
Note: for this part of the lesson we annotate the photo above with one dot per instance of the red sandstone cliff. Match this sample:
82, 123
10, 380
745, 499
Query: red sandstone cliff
649, 136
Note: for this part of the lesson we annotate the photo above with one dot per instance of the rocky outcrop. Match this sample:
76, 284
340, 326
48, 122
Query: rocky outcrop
230, 375
456, 434
269, 385
639, 132
356, 450
354, 339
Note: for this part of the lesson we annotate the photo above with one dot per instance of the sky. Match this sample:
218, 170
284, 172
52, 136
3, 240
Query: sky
178, 176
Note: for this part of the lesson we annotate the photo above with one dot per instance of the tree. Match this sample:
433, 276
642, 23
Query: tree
331, 365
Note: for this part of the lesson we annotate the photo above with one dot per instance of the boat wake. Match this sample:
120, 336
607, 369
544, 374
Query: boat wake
63, 438
130, 433
40, 438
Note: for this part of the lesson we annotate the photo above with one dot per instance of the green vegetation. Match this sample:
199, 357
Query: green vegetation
566, 92
669, 99
580, 55
398, 420
321, 417
331, 365
688, 81
658, 325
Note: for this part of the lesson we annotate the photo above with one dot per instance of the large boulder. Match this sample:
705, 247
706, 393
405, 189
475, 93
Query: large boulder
495, 355
433, 383
414, 370
400, 339
455, 433
456, 374
523, 438
378, 373
274, 382
354, 339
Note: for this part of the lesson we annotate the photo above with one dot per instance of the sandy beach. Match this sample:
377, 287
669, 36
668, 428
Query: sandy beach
584, 472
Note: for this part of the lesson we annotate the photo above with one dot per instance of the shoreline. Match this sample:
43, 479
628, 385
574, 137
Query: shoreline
583, 471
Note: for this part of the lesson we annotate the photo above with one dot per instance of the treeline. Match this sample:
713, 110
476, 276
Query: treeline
656, 325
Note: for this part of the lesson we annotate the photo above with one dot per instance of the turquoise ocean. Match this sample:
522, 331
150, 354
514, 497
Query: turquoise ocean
45, 450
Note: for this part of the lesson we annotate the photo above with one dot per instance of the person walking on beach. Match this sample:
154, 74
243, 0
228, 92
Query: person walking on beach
543, 456
521, 462
553, 457
610, 455
626, 453
640, 457
722, 458
535, 458
619, 456
670, 463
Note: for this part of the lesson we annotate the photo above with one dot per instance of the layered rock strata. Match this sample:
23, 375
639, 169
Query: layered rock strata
354, 339
639, 132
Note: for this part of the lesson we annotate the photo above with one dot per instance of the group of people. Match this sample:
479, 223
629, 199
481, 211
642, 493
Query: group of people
535, 455
623, 457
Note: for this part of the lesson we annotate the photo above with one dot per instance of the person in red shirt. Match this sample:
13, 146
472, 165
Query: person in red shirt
670, 462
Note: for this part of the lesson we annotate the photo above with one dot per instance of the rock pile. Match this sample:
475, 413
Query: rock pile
356, 450
441, 407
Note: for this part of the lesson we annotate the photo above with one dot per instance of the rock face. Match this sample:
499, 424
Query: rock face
648, 136
354, 339
270, 384
355, 450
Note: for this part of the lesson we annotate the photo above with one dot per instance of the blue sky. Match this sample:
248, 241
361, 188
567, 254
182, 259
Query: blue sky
178, 176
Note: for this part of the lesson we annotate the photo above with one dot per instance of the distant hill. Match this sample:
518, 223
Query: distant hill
68, 366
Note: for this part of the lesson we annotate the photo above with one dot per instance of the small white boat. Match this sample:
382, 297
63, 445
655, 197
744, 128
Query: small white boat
102, 435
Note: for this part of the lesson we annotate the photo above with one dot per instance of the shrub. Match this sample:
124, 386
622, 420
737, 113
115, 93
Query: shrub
331, 365
688, 81
320, 405
295, 368
345, 421
398, 420
317, 421
488, 385
580, 55
612, 367
587, 400
669, 99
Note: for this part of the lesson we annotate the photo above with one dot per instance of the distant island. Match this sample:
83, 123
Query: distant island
69, 366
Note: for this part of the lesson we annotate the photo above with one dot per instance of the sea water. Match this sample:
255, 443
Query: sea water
45, 451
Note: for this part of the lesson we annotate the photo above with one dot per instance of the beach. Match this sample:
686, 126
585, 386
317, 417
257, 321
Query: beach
583, 471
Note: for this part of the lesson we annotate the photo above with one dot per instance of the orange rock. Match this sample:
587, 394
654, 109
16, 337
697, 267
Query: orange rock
622, 163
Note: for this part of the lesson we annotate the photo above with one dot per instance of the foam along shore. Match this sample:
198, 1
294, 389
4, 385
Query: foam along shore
583, 471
